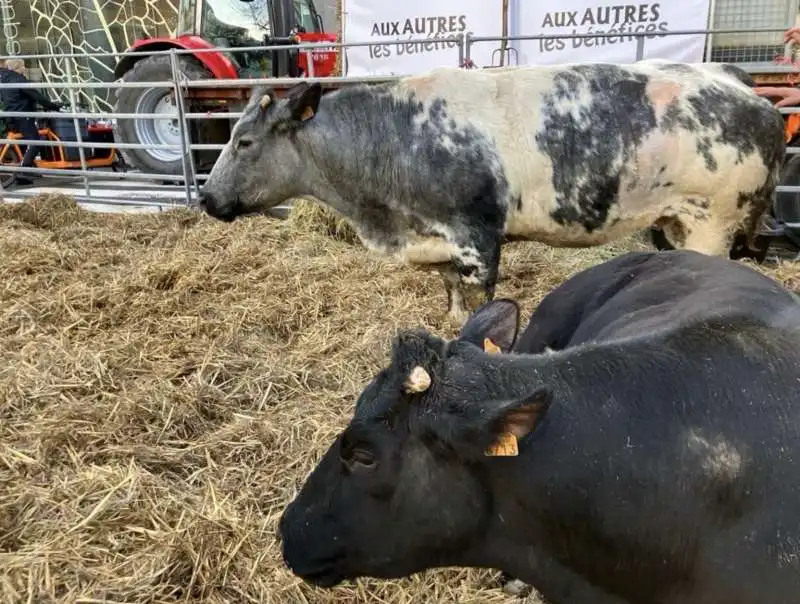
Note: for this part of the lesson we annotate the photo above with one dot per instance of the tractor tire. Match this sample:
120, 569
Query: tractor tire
153, 100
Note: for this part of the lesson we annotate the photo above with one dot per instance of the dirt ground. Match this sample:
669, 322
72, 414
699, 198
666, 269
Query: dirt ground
166, 383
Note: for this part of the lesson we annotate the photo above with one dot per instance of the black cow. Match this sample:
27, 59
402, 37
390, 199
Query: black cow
624, 295
651, 459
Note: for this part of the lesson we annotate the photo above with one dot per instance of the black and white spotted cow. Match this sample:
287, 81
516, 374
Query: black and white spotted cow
439, 169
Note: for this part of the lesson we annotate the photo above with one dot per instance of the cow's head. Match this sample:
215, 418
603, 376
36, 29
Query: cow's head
404, 488
260, 165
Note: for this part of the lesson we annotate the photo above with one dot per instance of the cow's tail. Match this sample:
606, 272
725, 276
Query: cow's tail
760, 204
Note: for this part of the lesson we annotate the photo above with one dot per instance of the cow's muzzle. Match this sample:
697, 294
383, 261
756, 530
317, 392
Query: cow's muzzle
211, 206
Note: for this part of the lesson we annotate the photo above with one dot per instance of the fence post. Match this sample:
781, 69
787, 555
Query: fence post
310, 60
186, 143
467, 47
639, 48
76, 122
461, 40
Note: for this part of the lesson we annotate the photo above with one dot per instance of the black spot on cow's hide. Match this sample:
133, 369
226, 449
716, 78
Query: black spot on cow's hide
590, 142
720, 118
417, 166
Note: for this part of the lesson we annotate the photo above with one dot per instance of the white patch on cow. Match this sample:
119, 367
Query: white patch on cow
661, 93
468, 256
433, 249
719, 458
428, 250
515, 587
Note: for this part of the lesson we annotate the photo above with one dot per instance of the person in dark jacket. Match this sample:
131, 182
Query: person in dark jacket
22, 99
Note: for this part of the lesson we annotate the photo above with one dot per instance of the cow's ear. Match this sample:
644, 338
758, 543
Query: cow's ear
509, 422
303, 101
493, 326
493, 428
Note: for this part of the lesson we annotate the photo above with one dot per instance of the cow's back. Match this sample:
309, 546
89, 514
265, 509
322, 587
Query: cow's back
686, 453
645, 292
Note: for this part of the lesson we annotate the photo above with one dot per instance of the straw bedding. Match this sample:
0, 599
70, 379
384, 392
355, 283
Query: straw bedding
167, 381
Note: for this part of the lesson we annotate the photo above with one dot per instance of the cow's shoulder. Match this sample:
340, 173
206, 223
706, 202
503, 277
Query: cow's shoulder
559, 315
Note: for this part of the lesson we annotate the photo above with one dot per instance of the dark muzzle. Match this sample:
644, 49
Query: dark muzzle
310, 554
211, 206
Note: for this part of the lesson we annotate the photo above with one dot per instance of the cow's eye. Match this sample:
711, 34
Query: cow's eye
359, 459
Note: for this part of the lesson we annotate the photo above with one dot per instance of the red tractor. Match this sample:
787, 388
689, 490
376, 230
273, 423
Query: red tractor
205, 24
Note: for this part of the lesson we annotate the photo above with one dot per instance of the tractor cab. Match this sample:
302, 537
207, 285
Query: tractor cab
249, 23
211, 29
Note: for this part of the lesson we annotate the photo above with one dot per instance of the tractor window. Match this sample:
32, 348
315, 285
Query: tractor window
304, 15
238, 23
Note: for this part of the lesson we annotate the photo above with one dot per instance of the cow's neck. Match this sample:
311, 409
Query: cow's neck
550, 485
349, 164
322, 179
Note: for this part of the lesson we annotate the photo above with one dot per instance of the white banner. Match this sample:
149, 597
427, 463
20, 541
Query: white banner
417, 26
606, 16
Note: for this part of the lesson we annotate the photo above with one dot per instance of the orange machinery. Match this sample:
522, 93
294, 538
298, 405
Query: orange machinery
59, 157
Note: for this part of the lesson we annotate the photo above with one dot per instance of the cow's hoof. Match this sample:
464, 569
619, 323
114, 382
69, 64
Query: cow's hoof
474, 295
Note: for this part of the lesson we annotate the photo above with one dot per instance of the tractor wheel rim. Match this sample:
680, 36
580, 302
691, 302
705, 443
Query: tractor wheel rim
158, 131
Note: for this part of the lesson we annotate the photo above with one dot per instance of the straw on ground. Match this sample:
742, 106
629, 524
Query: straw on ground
166, 383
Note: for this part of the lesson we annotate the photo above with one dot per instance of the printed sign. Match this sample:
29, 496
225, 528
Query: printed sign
416, 28
587, 16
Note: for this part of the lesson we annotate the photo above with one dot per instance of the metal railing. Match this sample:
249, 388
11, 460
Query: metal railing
189, 180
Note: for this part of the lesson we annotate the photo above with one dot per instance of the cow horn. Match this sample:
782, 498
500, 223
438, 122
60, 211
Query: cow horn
264, 102
418, 380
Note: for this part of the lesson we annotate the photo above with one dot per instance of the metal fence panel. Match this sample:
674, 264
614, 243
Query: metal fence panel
730, 19
750, 47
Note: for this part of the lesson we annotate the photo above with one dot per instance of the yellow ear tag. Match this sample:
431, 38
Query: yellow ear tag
491, 347
308, 113
505, 446
264, 102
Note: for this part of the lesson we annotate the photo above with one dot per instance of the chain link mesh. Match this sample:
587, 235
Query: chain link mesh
755, 14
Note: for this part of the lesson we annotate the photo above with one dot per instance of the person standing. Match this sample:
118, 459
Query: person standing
787, 95
23, 99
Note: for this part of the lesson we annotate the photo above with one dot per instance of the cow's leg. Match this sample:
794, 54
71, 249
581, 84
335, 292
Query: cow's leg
435, 253
558, 584
708, 237
457, 308
750, 243
478, 267
691, 224
469, 271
